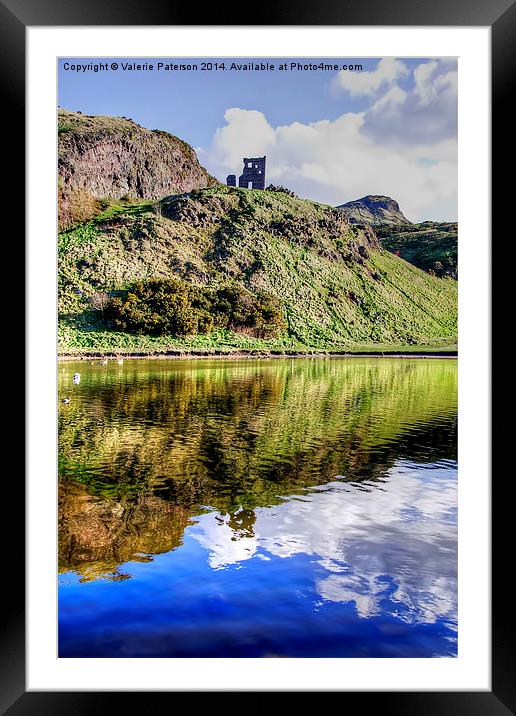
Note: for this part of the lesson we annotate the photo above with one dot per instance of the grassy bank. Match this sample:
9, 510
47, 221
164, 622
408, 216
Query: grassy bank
223, 343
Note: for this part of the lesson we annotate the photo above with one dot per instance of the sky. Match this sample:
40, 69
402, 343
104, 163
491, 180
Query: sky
329, 134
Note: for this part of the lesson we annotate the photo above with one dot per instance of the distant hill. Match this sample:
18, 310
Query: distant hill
106, 159
432, 246
338, 287
374, 210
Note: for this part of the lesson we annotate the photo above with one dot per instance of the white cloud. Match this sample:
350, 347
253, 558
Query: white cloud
387, 72
391, 100
247, 133
426, 114
404, 146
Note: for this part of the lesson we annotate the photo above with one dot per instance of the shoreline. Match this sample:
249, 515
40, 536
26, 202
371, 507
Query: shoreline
250, 355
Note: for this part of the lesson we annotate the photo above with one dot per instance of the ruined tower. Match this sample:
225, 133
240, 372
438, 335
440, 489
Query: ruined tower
253, 174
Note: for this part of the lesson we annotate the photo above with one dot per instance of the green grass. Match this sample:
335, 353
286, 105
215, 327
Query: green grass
76, 341
431, 246
300, 251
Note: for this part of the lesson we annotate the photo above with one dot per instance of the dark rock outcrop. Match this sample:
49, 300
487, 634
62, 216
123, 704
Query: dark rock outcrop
374, 210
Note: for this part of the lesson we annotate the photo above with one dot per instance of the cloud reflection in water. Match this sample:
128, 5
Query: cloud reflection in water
388, 546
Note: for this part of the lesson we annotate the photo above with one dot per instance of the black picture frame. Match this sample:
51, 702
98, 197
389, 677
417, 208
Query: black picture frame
500, 16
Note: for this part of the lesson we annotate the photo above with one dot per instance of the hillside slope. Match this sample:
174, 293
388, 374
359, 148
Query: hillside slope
432, 246
374, 209
113, 157
337, 285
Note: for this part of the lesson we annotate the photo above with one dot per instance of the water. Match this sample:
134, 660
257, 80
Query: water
280, 508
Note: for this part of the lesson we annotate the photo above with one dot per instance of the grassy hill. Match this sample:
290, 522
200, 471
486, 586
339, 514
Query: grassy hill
338, 287
431, 246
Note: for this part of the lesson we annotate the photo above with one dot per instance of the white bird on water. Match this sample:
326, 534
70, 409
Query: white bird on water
76, 378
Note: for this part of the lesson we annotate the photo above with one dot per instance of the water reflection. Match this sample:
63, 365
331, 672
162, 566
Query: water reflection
218, 433
397, 544
97, 535
328, 486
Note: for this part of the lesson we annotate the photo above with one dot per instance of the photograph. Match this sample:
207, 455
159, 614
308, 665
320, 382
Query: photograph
257, 357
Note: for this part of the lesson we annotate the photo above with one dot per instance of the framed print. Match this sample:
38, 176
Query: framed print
257, 458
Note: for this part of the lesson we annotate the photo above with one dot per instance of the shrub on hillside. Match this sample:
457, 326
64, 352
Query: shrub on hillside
283, 189
155, 307
76, 206
173, 307
259, 314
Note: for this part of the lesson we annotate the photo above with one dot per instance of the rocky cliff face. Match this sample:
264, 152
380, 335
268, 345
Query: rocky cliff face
115, 158
374, 210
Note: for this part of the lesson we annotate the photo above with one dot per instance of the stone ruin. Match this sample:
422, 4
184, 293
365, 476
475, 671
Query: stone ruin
253, 175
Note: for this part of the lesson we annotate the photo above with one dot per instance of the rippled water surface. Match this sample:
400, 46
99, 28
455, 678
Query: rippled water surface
289, 508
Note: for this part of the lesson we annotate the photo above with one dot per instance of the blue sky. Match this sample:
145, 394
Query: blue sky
329, 135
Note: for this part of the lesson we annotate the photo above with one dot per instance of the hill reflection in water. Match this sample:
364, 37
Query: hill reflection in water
285, 507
